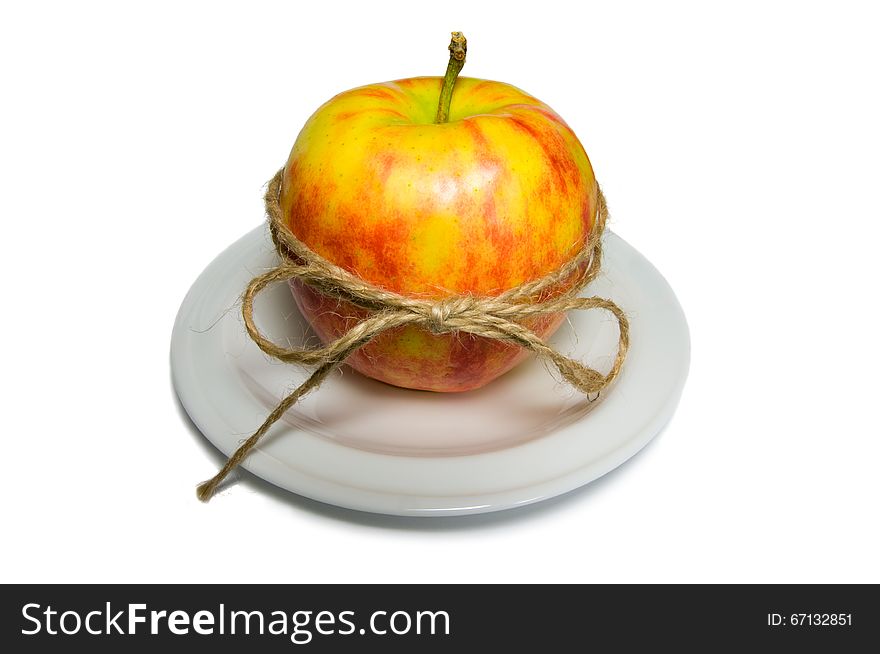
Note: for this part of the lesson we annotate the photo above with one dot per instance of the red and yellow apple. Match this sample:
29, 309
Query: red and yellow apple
500, 194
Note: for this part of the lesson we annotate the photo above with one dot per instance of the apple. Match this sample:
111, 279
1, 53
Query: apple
479, 194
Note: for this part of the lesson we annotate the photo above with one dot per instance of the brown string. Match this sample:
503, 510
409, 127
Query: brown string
496, 317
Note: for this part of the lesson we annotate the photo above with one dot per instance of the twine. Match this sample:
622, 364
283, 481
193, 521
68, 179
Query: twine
495, 317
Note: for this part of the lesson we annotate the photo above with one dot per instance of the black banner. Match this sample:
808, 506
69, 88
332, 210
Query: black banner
105, 618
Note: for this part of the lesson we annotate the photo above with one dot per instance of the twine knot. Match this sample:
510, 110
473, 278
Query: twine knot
438, 314
497, 317
447, 315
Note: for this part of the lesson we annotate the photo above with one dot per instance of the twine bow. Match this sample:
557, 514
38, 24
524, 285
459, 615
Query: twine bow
495, 317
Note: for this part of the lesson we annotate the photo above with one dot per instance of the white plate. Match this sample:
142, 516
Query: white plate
361, 444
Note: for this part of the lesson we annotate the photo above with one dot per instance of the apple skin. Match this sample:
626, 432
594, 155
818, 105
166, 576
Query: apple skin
501, 194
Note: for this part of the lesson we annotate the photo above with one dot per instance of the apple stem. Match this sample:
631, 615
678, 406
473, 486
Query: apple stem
457, 53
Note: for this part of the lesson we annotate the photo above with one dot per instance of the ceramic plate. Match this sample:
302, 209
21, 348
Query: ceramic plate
361, 444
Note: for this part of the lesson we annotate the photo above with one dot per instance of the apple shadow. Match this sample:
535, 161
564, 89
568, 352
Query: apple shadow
537, 510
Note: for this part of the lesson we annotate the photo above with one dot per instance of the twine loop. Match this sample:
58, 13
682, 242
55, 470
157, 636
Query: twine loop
498, 317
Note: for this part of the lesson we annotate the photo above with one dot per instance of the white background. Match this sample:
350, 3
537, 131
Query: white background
738, 147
